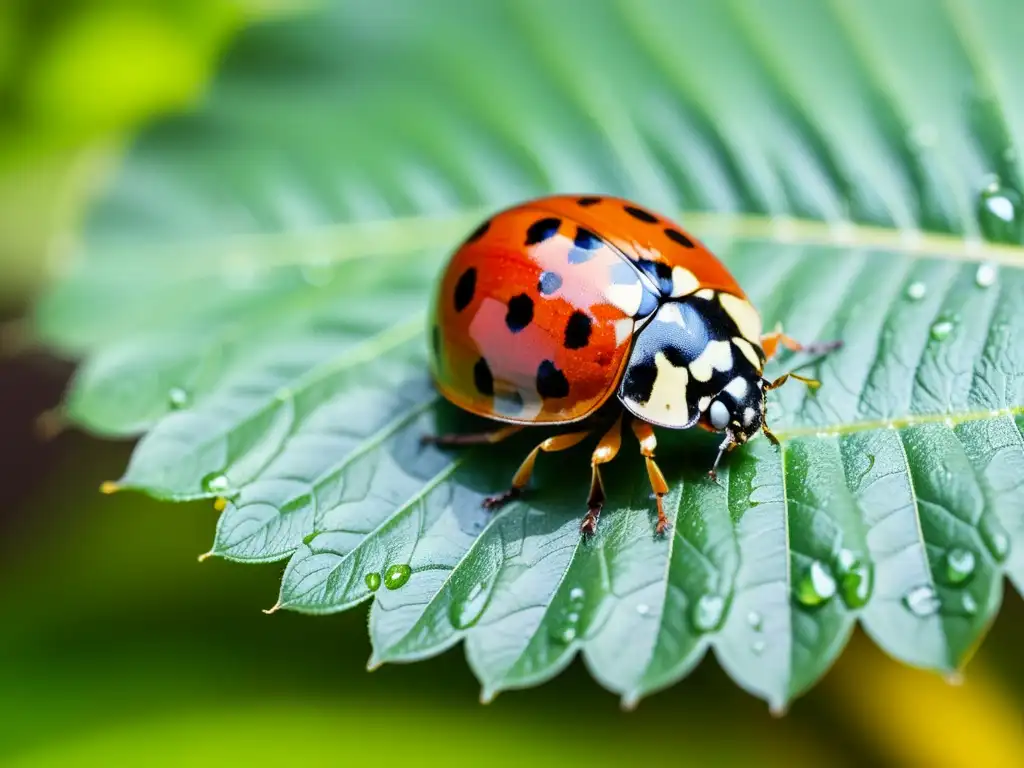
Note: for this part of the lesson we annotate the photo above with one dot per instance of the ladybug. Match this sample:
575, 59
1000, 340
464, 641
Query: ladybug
554, 306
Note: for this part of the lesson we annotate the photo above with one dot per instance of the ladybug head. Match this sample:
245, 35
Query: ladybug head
738, 410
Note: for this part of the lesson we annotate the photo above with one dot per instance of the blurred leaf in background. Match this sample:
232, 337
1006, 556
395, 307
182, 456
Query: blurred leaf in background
363, 133
75, 76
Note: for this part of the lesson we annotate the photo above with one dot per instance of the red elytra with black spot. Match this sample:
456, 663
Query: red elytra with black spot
553, 306
522, 334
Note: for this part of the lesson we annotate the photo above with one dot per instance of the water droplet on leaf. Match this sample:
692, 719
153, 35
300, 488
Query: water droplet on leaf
816, 585
643, 609
985, 276
577, 594
568, 635
996, 539
397, 575
856, 579
757, 647
922, 601
216, 482
941, 329
177, 398
372, 580
708, 613
968, 603
959, 565
999, 213
754, 620
916, 291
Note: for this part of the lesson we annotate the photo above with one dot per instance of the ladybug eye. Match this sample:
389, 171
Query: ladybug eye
719, 415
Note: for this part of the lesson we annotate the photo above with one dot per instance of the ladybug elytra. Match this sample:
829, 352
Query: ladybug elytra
553, 306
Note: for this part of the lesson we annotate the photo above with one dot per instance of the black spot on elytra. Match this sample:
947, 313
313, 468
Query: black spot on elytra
541, 230
641, 214
479, 232
585, 246
551, 382
577, 331
549, 283
464, 289
482, 377
676, 236
586, 202
638, 383
520, 312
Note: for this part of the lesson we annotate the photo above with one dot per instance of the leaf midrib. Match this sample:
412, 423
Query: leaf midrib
384, 237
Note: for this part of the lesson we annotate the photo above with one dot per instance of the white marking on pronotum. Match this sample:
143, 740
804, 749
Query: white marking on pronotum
683, 282
737, 388
748, 351
667, 403
669, 313
717, 355
748, 417
744, 315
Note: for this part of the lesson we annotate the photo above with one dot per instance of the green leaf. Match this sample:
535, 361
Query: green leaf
250, 294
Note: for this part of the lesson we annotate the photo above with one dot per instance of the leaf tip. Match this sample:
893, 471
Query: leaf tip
273, 609
487, 695
205, 556
629, 701
108, 487
955, 678
49, 424
220, 504
374, 664
778, 709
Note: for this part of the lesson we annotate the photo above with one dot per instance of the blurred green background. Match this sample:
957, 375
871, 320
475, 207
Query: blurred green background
112, 653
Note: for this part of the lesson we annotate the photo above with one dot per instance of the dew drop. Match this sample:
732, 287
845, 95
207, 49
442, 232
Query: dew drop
816, 585
968, 603
941, 329
916, 291
573, 617
999, 213
755, 621
576, 594
921, 601
757, 647
466, 611
985, 277
216, 482
708, 613
372, 580
568, 635
996, 539
856, 579
177, 398
397, 575
959, 565
643, 609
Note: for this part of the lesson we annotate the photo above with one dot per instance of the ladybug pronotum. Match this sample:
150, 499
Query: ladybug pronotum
552, 307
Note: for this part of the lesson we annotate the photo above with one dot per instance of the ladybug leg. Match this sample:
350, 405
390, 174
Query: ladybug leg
812, 383
522, 476
478, 438
648, 443
606, 450
727, 445
770, 343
